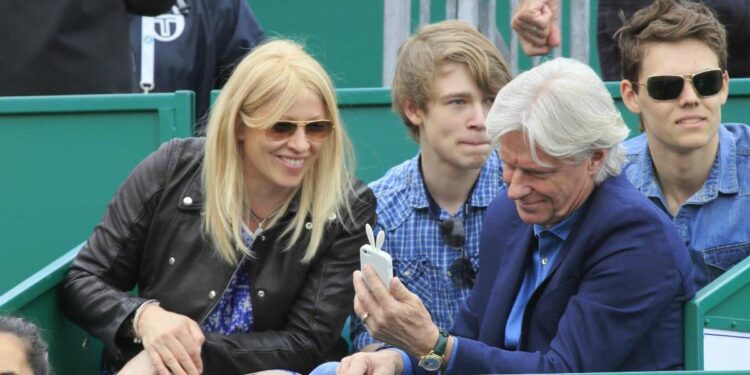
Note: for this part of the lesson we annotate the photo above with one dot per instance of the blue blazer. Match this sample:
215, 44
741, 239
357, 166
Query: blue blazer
612, 302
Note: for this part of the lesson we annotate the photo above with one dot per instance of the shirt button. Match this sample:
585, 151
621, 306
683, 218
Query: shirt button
261, 294
332, 217
308, 225
544, 261
262, 238
187, 201
171, 261
212, 294
407, 273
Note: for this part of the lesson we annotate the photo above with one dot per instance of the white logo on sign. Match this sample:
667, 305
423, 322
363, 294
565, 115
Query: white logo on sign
169, 26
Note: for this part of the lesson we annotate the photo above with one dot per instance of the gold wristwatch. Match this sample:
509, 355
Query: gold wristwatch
433, 360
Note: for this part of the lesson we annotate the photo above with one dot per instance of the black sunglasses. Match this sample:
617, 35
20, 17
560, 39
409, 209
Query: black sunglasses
461, 270
668, 87
316, 130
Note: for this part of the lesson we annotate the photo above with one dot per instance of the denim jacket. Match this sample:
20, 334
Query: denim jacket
711, 222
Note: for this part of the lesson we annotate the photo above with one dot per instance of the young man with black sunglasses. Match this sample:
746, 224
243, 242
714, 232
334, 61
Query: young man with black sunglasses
693, 167
431, 207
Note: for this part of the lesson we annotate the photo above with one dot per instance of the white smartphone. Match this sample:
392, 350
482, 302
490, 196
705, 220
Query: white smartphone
380, 261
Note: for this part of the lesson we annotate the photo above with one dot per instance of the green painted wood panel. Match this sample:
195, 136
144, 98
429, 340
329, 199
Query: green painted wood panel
62, 159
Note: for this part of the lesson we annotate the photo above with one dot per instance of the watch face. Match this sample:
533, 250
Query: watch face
431, 362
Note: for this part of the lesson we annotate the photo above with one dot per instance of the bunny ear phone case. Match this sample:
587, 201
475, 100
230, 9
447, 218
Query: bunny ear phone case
372, 255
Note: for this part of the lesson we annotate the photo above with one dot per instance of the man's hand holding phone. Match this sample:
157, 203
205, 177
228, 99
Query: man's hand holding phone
372, 254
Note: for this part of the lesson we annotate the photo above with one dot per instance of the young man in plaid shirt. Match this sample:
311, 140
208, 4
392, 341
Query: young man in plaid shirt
431, 207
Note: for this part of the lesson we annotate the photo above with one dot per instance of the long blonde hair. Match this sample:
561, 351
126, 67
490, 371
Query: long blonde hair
272, 76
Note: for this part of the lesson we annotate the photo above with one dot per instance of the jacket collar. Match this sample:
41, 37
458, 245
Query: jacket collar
722, 177
481, 196
192, 197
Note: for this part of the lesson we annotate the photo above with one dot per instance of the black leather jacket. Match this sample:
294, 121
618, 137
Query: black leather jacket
151, 236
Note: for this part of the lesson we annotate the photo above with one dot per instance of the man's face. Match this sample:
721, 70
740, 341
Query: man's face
451, 129
689, 122
545, 194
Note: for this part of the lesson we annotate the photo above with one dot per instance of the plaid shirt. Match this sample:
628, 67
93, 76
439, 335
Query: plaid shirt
421, 258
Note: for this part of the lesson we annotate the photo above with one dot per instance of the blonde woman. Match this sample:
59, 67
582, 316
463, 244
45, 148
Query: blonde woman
242, 245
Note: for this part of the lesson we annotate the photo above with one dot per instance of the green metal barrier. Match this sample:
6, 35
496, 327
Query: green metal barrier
63, 157
724, 305
380, 138
71, 349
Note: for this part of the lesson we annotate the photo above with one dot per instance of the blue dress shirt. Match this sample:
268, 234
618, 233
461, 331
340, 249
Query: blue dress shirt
549, 243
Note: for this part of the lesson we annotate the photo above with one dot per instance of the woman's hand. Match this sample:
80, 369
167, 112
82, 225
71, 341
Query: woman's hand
139, 365
173, 341
384, 362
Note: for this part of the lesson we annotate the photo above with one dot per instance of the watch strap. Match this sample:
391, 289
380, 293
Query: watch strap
441, 343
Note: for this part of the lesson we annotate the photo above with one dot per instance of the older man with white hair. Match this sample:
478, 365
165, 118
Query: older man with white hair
579, 271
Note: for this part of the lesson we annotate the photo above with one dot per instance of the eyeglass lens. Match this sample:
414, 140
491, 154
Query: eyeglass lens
667, 87
453, 232
462, 271
314, 131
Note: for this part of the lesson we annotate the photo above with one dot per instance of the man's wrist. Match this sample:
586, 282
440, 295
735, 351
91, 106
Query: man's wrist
374, 347
434, 360
425, 346
404, 363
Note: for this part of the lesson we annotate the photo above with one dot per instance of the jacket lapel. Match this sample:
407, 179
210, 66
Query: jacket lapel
516, 250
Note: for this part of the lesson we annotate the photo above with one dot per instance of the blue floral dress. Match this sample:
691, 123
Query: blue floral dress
234, 312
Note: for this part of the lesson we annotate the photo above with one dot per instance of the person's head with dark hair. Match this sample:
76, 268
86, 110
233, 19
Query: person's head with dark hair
22, 350
669, 21
674, 67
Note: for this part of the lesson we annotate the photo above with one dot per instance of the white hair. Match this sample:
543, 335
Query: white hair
562, 107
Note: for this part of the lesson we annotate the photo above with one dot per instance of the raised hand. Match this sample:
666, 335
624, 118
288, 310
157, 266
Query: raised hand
535, 22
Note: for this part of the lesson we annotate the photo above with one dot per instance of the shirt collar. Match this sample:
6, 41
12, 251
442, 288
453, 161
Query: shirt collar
562, 229
728, 180
417, 194
722, 177
645, 180
483, 193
